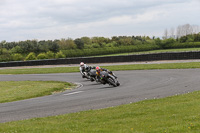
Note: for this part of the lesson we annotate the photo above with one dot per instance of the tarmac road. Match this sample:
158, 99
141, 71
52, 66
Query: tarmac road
135, 86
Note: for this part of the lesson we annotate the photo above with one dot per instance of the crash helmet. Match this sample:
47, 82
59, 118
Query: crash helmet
82, 65
98, 69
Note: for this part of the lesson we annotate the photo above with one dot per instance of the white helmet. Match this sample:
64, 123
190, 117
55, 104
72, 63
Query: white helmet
81, 64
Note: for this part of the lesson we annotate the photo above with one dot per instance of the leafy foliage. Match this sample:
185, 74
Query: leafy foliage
93, 46
31, 56
42, 56
50, 55
60, 55
79, 43
17, 57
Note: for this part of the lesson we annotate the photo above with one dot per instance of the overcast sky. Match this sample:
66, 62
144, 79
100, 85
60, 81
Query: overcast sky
55, 19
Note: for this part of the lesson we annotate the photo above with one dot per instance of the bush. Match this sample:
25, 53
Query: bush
109, 50
50, 55
5, 55
31, 56
17, 57
167, 43
186, 45
60, 55
42, 56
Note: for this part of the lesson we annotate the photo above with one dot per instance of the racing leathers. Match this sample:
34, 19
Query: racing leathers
98, 74
84, 69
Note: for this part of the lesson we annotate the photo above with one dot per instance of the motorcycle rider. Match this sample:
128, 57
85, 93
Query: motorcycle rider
84, 68
98, 69
98, 73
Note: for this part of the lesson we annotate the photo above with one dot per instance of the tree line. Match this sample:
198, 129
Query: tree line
86, 46
181, 30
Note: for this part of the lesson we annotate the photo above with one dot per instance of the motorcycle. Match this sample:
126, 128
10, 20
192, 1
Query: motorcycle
86, 75
109, 78
92, 75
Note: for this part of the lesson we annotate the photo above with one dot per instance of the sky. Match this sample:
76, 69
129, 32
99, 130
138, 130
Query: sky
55, 19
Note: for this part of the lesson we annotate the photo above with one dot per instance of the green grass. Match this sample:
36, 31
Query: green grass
176, 114
111, 68
40, 70
19, 90
153, 51
155, 66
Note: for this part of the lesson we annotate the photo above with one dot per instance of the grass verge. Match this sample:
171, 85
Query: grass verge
112, 68
19, 90
173, 114
153, 52
176, 114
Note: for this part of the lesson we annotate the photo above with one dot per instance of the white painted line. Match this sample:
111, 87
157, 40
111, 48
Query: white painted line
79, 85
73, 93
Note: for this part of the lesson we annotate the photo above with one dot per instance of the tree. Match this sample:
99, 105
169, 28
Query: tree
54, 46
165, 34
86, 40
171, 33
17, 49
43, 46
158, 41
5, 55
167, 42
126, 41
79, 43
183, 39
186, 29
65, 44
197, 37
1, 46
100, 40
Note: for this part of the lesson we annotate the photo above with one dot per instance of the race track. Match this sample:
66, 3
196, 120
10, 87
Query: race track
135, 86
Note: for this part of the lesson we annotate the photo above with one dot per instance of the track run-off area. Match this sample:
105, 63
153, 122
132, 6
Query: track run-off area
136, 85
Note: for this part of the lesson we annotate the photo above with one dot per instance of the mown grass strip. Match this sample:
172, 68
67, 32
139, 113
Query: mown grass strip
112, 68
153, 52
155, 66
40, 70
176, 114
19, 90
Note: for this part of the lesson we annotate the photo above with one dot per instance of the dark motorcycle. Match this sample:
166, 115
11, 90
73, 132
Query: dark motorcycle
92, 75
109, 78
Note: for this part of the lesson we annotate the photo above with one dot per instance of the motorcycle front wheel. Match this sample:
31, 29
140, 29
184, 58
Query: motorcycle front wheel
112, 82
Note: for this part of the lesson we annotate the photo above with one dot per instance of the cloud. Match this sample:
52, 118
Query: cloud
54, 19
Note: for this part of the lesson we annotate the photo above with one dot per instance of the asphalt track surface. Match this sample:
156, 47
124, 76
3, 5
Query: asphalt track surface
135, 86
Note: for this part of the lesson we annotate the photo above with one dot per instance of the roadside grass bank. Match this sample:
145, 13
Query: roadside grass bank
153, 52
19, 90
111, 68
175, 114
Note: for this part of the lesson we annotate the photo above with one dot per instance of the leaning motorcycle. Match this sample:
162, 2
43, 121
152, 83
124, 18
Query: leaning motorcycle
109, 78
92, 75
86, 75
